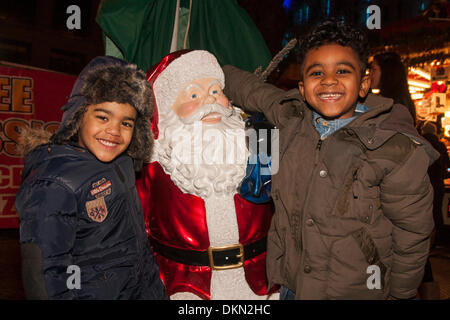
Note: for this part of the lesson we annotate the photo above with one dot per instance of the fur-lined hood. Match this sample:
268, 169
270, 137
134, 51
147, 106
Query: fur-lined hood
103, 79
30, 138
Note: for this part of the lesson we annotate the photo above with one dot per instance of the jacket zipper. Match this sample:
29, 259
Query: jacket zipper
316, 161
308, 191
318, 146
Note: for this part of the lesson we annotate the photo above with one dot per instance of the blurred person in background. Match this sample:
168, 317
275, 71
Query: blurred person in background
437, 173
389, 75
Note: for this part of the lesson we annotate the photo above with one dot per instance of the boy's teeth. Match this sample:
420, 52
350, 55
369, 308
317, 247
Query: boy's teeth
107, 143
329, 95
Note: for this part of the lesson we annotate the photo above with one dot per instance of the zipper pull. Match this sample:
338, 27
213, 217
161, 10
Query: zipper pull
319, 144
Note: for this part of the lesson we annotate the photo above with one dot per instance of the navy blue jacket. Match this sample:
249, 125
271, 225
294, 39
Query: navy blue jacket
77, 211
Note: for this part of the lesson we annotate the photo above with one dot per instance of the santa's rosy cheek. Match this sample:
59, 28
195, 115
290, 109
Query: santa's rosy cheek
185, 109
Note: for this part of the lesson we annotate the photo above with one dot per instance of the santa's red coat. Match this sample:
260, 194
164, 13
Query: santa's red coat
177, 219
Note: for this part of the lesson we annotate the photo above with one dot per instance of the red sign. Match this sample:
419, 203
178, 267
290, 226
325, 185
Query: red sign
28, 97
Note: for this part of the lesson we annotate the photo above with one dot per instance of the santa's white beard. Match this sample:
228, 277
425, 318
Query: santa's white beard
203, 159
211, 170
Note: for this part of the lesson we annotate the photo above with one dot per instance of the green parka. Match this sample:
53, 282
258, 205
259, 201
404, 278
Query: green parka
354, 211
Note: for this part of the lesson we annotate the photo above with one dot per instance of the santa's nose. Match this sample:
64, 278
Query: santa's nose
209, 99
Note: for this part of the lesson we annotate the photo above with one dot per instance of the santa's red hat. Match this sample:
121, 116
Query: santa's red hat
176, 70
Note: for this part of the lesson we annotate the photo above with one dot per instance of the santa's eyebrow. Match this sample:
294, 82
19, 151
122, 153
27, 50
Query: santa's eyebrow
192, 85
214, 81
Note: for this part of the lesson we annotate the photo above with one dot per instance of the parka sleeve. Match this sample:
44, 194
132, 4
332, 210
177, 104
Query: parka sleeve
250, 93
47, 212
407, 201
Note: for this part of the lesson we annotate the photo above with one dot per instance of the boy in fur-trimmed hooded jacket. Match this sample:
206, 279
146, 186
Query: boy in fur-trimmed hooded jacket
82, 229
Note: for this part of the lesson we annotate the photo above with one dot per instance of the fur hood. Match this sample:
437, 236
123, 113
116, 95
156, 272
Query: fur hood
104, 79
30, 138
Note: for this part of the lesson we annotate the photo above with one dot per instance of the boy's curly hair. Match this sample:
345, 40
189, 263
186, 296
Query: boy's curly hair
121, 84
334, 31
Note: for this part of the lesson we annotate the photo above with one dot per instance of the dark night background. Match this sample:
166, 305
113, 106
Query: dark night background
33, 32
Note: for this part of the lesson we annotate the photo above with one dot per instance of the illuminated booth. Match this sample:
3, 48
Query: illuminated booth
423, 42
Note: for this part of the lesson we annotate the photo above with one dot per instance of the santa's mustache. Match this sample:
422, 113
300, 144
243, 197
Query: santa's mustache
206, 109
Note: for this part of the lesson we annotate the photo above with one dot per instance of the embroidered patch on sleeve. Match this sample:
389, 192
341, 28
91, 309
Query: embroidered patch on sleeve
101, 187
104, 193
99, 182
97, 210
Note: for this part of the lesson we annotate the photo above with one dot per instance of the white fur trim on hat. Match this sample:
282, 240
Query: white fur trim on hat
191, 66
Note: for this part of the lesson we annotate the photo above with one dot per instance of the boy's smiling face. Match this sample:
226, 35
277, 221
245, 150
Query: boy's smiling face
332, 81
107, 129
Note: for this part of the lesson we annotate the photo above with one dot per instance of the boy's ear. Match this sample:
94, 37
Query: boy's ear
301, 88
364, 86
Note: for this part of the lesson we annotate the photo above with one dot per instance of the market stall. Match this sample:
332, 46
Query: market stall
423, 42
430, 91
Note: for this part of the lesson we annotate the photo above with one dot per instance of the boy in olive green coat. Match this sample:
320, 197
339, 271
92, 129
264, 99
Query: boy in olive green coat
352, 197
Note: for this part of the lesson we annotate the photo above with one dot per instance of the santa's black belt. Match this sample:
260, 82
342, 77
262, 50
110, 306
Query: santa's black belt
218, 258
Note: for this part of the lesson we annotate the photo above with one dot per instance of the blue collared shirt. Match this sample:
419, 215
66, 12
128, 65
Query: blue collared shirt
327, 127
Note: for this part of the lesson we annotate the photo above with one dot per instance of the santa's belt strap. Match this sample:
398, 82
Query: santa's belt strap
218, 258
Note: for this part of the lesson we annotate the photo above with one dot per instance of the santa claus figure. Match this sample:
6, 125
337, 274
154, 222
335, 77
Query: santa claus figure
210, 243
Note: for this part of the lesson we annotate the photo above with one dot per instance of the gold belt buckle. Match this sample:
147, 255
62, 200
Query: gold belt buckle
231, 266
